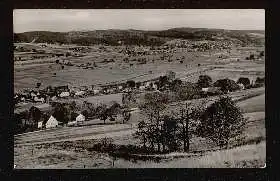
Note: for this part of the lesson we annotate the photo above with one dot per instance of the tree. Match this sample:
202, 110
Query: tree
170, 75
169, 133
34, 115
153, 104
221, 122
259, 81
226, 85
126, 116
204, 81
261, 53
138, 84
38, 84
102, 112
245, 81
57, 61
175, 85
252, 57
142, 133
60, 112
131, 83
114, 110
129, 99
162, 82
62, 67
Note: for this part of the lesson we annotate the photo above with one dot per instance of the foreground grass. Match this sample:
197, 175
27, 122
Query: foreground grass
246, 156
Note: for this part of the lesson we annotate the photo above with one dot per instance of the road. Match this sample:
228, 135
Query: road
73, 133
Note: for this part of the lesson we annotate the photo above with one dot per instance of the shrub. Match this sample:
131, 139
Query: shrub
131, 83
245, 81
204, 81
226, 85
221, 122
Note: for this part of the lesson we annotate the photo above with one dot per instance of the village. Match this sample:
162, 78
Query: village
129, 98
62, 93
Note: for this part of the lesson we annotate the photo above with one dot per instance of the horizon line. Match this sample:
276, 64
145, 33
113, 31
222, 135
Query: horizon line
139, 30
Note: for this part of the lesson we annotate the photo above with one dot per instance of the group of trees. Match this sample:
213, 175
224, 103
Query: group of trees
220, 122
226, 84
104, 112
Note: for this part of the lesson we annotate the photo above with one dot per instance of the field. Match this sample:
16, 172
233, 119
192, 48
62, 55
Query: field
69, 147
28, 73
53, 156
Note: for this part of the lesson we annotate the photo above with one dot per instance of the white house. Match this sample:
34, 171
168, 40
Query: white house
80, 93
40, 124
80, 118
120, 87
36, 99
64, 94
205, 89
142, 88
51, 123
72, 123
241, 86
33, 94
95, 91
54, 98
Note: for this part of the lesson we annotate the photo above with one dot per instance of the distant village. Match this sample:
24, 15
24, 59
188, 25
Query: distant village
50, 95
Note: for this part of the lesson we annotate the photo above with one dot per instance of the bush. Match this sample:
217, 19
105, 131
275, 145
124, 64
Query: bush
226, 85
131, 83
221, 122
245, 81
204, 81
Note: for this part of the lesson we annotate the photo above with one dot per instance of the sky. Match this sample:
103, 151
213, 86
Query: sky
63, 20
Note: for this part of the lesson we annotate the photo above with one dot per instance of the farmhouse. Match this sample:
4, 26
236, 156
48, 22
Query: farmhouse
80, 93
52, 122
80, 118
64, 94
241, 86
210, 91
61, 89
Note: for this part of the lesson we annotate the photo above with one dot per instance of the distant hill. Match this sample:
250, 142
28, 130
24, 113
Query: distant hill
132, 37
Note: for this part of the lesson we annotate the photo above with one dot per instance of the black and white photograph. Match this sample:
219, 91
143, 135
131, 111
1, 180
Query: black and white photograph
139, 88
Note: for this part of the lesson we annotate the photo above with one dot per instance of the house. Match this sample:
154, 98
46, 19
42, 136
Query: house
72, 123
64, 94
33, 94
51, 123
40, 124
96, 91
80, 118
241, 86
205, 89
61, 89
36, 99
80, 93
142, 88
211, 91
54, 98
